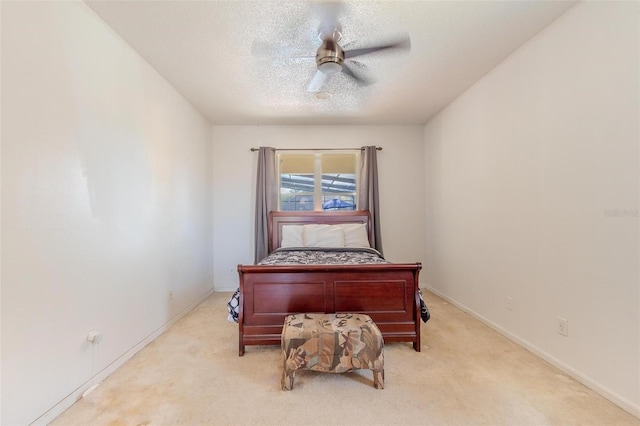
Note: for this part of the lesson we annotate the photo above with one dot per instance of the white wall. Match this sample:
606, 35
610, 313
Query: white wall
522, 173
401, 186
106, 203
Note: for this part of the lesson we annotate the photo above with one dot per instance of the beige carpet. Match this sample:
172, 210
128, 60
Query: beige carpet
467, 374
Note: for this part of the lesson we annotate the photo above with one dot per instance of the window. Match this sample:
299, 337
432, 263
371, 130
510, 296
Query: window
319, 181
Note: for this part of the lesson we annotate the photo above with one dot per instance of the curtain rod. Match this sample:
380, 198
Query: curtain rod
379, 148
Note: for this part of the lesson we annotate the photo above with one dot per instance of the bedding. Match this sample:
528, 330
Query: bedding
325, 236
322, 236
292, 236
323, 256
355, 235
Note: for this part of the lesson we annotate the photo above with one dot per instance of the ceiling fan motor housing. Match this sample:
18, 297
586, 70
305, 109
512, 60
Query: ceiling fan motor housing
329, 57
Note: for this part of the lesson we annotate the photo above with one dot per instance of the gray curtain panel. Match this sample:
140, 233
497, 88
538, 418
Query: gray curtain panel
368, 197
266, 199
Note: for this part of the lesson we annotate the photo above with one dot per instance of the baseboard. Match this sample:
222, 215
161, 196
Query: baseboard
612, 396
92, 383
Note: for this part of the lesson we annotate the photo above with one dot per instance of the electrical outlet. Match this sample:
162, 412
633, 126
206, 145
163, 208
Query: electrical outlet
509, 304
93, 336
563, 326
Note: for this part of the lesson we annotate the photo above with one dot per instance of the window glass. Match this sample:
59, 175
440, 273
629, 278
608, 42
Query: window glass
317, 181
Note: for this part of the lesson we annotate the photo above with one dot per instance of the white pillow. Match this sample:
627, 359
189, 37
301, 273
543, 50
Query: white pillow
323, 236
355, 235
291, 236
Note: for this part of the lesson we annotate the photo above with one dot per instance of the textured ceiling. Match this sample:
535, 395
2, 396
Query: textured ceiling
208, 50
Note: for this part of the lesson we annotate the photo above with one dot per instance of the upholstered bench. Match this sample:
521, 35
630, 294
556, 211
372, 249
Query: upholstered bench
333, 343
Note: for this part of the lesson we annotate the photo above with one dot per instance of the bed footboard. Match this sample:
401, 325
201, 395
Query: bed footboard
388, 293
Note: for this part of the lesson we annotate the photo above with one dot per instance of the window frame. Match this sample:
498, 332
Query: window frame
318, 194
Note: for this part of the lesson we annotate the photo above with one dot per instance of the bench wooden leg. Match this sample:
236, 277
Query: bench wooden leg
287, 378
378, 378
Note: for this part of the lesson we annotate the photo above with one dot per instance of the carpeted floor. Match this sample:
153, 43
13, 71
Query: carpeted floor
466, 374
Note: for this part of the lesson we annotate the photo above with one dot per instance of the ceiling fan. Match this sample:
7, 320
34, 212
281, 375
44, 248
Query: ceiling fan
332, 59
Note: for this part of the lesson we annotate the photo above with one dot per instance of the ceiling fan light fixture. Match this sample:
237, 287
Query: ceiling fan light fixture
330, 67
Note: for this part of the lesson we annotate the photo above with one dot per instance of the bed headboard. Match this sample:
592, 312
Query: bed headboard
278, 219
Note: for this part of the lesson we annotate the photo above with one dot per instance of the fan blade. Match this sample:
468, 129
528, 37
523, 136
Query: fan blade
403, 44
317, 81
329, 12
361, 80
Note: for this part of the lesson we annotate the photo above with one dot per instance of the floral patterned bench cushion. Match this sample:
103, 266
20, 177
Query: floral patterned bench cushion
332, 343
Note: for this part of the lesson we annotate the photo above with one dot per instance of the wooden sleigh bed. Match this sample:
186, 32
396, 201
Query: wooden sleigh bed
387, 292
